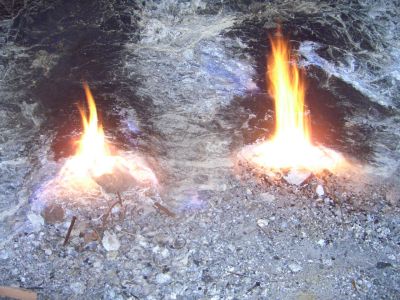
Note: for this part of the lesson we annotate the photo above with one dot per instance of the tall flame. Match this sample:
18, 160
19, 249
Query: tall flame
290, 145
93, 149
94, 158
287, 88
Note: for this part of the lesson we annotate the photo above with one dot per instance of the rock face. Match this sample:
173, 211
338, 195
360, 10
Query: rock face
183, 82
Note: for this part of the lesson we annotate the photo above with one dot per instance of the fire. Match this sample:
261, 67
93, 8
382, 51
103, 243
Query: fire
94, 157
290, 146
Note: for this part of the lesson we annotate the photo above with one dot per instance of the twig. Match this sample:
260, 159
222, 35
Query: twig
164, 209
105, 217
69, 230
17, 293
107, 214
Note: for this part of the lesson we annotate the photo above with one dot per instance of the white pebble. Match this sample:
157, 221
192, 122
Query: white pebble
262, 223
110, 241
36, 220
295, 268
163, 278
320, 190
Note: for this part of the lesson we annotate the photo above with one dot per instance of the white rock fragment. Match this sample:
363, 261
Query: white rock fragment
249, 192
267, 197
37, 221
327, 262
296, 177
98, 264
320, 190
163, 278
295, 268
4, 255
78, 288
48, 252
262, 223
321, 242
110, 241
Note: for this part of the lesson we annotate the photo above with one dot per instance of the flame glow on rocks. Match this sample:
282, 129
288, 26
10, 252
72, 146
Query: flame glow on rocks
96, 164
290, 146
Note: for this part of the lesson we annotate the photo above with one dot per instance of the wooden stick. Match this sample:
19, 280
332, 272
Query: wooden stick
164, 209
69, 230
17, 293
107, 214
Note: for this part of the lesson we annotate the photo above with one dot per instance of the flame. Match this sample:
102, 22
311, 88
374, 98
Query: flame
94, 158
290, 146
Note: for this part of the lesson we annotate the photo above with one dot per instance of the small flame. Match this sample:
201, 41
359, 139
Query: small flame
290, 145
94, 158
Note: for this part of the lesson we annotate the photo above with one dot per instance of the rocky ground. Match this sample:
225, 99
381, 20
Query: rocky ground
182, 83
253, 240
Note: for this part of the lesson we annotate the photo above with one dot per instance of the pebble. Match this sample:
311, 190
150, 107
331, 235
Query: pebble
262, 223
321, 242
4, 255
53, 214
90, 236
267, 197
327, 262
163, 278
110, 241
295, 268
296, 177
178, 243
383, 265
48, 252
78, 288
36, 220
320, 190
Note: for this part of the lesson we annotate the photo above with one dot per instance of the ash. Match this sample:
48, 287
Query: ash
182, 83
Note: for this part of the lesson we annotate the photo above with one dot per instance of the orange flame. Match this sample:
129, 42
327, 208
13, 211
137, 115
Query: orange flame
290, 145
94, 158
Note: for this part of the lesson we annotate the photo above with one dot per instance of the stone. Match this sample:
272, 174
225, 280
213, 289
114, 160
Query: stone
321, 242
262, 223
383, 265
90, 236
110, 241
118, 181
163, 278
53, 214
178, 243
327, 262
267, 197
320, 190
78, 288
296, 177
4, 255
295, 268
48, 252
36, 221
306, 296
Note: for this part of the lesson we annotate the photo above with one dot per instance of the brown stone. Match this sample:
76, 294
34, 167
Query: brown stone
53, 213
90, 236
